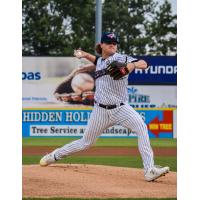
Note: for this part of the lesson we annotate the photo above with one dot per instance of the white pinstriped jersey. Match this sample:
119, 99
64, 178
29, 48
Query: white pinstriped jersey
109, 91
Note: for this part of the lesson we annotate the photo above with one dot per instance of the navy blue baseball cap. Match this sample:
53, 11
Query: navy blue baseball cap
109, 37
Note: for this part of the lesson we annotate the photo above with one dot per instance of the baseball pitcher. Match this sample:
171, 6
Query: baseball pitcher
111, 105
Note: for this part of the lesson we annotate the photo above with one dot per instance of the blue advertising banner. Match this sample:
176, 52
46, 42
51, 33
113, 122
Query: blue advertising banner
162, 71
72, 122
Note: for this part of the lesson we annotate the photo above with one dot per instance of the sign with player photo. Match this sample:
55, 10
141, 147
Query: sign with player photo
53, 83
72, 122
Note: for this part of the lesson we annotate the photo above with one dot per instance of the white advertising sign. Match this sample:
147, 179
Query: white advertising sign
42, 75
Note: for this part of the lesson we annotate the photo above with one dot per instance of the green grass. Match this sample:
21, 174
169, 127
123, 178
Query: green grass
106, 142
120, 161
99, 199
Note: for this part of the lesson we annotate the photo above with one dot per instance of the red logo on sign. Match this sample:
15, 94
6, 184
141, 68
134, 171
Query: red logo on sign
166, 125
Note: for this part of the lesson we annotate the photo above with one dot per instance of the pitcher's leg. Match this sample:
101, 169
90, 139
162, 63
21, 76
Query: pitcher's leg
132, 120
98, 122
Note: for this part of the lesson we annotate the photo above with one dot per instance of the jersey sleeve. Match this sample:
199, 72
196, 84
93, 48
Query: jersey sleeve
125, 58
130, 59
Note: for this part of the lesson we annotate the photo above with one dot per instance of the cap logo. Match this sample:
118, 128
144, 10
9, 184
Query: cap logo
111, 35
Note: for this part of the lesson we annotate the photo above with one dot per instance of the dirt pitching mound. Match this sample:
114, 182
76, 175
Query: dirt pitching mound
93, 181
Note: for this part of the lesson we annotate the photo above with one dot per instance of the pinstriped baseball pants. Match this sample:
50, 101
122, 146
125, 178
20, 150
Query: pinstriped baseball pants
101, 119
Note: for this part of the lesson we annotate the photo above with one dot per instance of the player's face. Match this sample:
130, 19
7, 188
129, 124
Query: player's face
109, 48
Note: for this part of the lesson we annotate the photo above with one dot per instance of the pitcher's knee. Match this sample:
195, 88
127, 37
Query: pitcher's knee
86, 144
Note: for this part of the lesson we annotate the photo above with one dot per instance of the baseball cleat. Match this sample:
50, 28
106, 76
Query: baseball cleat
48, 159
156, 172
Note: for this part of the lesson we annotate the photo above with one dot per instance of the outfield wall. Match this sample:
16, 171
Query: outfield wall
71, 122
152, 92
154, 87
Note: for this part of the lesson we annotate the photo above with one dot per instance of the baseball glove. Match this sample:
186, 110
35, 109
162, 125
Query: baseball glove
86, 98
117, 70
